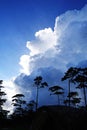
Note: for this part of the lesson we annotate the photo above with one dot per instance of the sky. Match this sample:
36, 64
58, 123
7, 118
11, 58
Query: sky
20, 20
40, 37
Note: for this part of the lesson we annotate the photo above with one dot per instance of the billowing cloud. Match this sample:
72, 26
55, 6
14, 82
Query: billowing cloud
24, 62
45, 39
64, 45
53, 51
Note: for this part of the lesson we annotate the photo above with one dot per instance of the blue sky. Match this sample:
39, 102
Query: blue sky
40, 37
19, 20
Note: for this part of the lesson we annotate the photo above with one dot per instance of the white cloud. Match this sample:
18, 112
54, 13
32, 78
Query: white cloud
43, 45
55, 50
64, 45
45, 39
24, 62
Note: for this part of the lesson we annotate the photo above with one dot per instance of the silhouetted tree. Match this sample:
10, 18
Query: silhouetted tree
81, 79
18, 102
76, 101
31, 105
74, 98
56, 90
66, 101
3, 113
70, 75
39, 84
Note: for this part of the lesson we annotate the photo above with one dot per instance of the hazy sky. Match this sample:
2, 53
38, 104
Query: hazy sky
40, 37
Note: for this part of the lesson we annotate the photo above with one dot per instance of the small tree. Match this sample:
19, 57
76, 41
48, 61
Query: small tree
18, 102
74, 98
39, 84
56, 90
31, 105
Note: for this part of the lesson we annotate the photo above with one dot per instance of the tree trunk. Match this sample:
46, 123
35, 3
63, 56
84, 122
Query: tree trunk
69, 92
37, 97
58, 100
84, 94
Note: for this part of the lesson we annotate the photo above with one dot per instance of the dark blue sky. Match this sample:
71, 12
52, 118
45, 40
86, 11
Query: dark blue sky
19, 20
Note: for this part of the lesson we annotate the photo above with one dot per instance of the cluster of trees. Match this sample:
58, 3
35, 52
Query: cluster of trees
76, 76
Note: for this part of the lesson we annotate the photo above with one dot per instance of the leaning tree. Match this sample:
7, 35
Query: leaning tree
39, 84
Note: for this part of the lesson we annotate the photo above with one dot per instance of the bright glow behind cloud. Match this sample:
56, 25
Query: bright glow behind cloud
45, 43
45, 39
57, 49
10, 89
24, 62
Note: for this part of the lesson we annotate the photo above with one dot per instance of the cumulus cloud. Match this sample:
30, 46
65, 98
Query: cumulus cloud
24, 62
45, 39
59, 47
54, 51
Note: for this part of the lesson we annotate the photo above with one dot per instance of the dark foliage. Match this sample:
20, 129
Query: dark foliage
39, 84
48, 117
56, 90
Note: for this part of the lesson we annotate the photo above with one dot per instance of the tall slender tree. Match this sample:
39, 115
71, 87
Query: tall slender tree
39, 84
70, 75
81, 79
